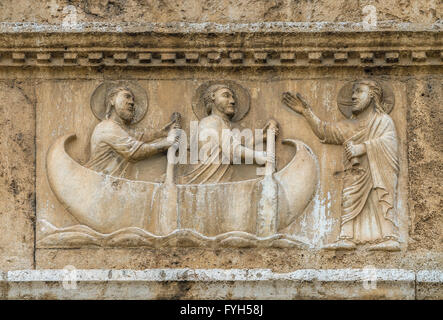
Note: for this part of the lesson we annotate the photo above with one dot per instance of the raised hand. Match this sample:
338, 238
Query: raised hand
297, 103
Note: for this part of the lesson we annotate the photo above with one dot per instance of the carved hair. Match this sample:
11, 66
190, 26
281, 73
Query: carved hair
207, 96
110, 98
376, 92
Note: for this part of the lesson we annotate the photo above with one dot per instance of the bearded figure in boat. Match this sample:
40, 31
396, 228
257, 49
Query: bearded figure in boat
203, 207
114, 146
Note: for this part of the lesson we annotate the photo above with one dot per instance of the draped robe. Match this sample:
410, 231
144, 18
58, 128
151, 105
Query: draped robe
219, 152
369, 191
112, 148
212, 168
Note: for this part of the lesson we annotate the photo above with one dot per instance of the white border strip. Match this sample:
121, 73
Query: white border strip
216, 275
432, 276
205, 27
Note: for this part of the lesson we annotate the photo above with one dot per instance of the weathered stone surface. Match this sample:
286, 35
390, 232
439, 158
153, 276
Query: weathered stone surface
55, 11
425, 165
429, 285
211, 284
49, 127
3, 286
54, 58
17, 174
281, 260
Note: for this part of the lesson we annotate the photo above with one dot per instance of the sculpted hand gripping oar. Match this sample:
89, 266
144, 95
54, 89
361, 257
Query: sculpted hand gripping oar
268, 203
168, 219
109, 204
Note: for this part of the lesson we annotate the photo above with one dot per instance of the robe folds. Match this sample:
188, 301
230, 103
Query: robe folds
212, 166
369, 189
112, 148
219, 148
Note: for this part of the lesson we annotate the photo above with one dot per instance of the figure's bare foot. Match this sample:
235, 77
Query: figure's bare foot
388, 245
342, 244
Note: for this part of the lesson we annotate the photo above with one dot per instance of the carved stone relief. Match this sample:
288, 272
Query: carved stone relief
266, 189
371, 162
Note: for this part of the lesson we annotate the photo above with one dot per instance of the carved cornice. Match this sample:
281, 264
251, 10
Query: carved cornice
214, 45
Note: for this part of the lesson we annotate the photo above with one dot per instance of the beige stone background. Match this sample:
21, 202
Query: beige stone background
63, 107
220, 11
24, 93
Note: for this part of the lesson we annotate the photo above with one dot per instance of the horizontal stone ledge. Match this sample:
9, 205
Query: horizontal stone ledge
215, 275
236, 39
211, 27
220, 284
430, 276
429, 285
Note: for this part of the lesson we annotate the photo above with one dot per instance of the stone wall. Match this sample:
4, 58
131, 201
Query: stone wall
55, 55
223, 11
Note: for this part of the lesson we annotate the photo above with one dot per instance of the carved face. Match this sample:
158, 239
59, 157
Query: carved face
224, 101
361, 98
124, 105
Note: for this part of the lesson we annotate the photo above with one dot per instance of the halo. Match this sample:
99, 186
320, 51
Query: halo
344, 98
98, 106
241, 95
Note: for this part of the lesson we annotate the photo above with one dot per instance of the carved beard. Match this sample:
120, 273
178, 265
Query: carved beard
126, 115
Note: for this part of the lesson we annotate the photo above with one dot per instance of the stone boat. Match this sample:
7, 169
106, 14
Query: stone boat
107, 204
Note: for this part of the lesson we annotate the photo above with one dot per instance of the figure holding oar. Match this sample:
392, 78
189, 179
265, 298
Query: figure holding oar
114, 145
168, 215
268, 202
218, 108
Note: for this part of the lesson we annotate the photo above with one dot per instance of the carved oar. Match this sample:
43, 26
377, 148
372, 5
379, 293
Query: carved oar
168, 213
268, 202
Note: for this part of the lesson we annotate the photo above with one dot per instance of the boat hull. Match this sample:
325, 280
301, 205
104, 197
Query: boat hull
108, 204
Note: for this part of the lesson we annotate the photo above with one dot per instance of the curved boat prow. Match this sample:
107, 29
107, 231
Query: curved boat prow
297, 183
107, 204
102, 202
